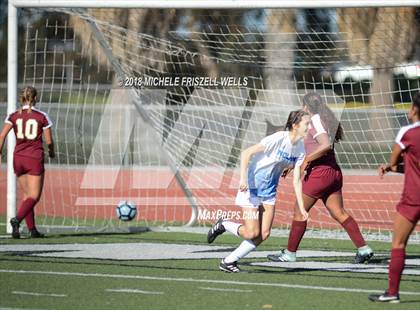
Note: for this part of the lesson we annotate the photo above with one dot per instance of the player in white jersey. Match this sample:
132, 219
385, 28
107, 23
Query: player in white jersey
261, 167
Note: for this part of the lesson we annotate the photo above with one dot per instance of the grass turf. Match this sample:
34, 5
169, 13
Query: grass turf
185, 284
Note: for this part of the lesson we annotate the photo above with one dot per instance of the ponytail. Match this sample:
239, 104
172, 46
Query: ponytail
315, 105
28, 96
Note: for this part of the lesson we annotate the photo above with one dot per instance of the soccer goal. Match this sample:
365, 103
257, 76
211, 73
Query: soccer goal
153, 101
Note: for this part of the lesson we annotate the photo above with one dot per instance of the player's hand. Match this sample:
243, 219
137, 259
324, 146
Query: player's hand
305, 165
305, 214
243, 185
383, 169
286, 172
304, 170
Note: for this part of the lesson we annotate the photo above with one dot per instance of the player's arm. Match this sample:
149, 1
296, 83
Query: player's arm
297, 185
3, 134
246, 155
324, 146
49, 141
394, 161
286, 172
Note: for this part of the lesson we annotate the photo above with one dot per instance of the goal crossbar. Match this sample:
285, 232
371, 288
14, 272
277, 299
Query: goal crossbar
220, 4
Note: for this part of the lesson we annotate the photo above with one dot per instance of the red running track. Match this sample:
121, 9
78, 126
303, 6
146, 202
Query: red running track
76, 193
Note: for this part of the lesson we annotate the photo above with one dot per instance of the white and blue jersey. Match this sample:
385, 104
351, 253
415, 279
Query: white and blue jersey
265, 168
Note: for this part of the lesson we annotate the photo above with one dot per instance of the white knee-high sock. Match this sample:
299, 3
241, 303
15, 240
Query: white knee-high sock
242, 250
231, 227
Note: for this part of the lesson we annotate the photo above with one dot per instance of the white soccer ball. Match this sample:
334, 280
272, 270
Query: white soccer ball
126, 210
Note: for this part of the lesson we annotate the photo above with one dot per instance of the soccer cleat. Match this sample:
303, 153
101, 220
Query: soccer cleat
216, 230
36, 234
229, 267
385, 297
15, 228
283, 256
363, 257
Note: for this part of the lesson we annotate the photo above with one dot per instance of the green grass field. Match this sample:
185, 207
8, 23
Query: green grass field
33, 282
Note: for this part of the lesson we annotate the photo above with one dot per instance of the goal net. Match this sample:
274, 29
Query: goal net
154, 106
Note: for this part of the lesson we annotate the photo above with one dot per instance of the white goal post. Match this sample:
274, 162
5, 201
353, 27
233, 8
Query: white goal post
15, 5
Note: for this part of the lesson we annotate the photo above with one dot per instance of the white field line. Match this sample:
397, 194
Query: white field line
38, 294
225, 289
8, 308
123, 276
129, 290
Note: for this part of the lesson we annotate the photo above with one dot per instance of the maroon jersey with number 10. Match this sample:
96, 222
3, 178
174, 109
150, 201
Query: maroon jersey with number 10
28, 128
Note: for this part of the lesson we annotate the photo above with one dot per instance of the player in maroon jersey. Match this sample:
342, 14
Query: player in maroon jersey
323, 180
28, 124
407, 144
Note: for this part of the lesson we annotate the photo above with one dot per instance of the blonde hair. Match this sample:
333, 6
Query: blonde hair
28, 96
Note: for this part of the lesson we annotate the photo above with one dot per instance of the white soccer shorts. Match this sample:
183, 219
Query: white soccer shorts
246, 200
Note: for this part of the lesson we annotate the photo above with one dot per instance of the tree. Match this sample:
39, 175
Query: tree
280, 41
382, 38
128, 34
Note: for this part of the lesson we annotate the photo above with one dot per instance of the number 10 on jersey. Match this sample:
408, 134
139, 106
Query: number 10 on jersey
31, 129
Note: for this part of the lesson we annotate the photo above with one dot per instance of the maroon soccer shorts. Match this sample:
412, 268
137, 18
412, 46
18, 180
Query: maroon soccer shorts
320, 182
27, 165
411, 213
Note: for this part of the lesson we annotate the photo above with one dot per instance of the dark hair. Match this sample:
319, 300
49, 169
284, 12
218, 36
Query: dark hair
416, 103
28, 95
294, 118
315, 105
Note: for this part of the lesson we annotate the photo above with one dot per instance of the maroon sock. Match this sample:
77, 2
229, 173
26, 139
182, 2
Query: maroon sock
396, 267
25, 208
353, 231
296, 233
30, 220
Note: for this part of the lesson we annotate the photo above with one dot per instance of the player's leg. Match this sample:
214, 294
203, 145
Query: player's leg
22, 210
313, 186
266, 215
247, 230
35, 186
30, 175
31, 185
265, 218
402, 231
335, 206
299, 223
296, 233
30, 217
250, 230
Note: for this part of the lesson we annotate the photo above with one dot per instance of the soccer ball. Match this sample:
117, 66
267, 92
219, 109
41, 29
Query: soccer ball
126, 210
